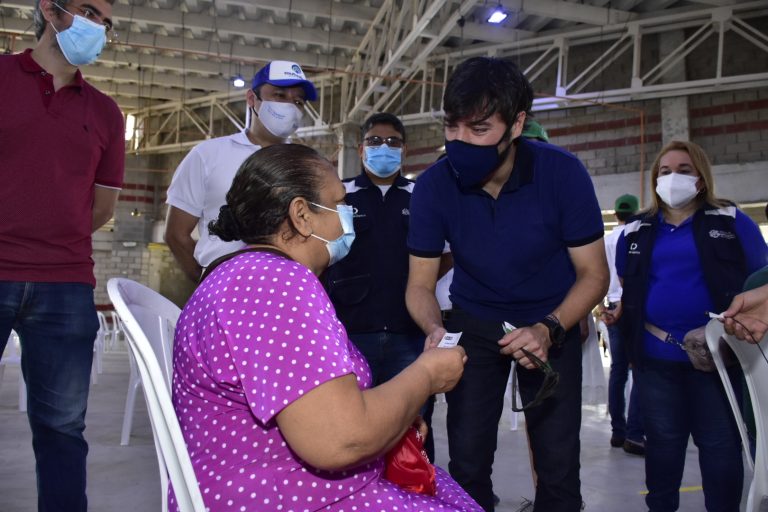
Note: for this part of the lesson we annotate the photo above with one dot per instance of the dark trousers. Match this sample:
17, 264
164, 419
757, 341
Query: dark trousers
57, 326
388, 354
475, 406
629, 426
677, 402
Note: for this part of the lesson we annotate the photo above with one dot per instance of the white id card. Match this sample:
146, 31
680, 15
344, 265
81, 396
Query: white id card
450, 339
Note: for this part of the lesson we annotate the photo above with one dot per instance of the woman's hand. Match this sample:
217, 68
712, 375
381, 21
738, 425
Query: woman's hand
444, 367
611, 316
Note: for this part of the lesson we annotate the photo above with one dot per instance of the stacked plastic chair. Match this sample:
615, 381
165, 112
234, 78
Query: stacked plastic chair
12, 357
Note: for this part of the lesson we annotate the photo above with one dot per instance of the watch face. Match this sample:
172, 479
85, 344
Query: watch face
556, 331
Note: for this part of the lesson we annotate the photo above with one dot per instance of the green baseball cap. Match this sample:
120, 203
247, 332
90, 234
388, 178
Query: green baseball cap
534, 130
626, 204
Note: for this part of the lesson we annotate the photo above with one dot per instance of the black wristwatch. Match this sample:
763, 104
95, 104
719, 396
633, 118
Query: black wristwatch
556, 330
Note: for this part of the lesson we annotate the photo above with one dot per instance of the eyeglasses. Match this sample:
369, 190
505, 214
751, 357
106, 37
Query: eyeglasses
548, 386
91, 15
375, 140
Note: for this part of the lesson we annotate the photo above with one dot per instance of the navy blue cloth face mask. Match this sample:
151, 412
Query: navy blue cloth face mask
471, 163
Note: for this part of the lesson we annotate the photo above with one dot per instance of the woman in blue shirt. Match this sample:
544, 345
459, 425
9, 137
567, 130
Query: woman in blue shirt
689, 253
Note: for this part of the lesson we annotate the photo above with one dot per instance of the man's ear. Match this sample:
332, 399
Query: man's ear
299, 214
252, 100
517, 127
48, 10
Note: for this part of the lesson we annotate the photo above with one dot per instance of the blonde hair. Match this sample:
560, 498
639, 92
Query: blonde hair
700, 163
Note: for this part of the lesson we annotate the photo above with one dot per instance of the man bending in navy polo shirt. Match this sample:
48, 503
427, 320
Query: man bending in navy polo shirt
526, 232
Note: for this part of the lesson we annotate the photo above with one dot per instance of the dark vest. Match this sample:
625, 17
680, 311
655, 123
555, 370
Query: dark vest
367, 287
722, 259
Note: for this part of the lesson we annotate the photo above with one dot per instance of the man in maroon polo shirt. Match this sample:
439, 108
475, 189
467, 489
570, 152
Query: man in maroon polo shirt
61, 167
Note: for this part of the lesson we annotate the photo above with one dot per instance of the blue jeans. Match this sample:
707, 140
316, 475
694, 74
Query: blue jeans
476, 403
57, 326
388, 354
678, 401
630, 428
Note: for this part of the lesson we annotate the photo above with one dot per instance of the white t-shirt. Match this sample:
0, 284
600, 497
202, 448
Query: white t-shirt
611, 239
200, 185
442, 290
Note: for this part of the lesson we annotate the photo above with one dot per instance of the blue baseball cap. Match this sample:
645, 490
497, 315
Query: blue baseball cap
284, 73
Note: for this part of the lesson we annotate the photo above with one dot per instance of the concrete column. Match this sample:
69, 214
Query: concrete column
349, 161
674, 111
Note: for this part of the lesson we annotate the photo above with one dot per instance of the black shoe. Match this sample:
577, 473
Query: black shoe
617, 442
634, 448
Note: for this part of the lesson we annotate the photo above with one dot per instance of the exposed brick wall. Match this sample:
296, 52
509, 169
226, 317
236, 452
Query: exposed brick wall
120, 261
606, 139
733, 126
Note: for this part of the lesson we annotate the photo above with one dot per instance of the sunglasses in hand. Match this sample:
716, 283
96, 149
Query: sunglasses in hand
548, 385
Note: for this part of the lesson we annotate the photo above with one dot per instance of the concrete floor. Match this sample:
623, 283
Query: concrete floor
126, 477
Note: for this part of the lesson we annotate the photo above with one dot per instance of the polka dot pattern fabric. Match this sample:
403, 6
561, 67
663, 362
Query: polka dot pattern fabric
256, 335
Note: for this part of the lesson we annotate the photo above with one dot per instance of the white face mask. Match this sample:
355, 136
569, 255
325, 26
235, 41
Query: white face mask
280, 119
677, 190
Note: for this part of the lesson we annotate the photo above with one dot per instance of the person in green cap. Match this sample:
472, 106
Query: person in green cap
533, 130
626, 432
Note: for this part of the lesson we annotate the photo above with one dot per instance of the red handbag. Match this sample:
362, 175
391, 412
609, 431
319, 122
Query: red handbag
407, 465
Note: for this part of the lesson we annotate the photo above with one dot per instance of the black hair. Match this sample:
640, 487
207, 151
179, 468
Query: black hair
39, 20
262, 191
623, 216
383, 118
482, 86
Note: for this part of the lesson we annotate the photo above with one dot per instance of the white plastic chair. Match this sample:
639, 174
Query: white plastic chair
12, 356
115, 331
149, 320
98, 349
134, 383
104, 328
755, 368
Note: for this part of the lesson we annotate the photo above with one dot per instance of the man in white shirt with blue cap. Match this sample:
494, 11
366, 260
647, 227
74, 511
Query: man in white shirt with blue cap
275, 104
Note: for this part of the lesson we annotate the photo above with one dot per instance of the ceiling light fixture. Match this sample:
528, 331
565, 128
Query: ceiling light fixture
498, 15
238, 81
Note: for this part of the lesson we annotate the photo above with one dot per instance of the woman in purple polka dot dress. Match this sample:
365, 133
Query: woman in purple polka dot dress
272, 397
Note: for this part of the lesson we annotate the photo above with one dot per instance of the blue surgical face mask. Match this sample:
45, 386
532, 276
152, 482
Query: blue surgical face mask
340, 247
471, 163
82, 42
382, 161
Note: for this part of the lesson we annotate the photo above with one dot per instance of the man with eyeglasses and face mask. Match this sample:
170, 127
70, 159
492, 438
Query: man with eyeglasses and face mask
367, 287
198, 189
51, 200
525, 232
